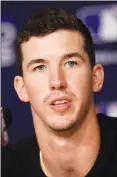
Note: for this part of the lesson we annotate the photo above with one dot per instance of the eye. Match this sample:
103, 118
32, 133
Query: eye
40, 67
71, 63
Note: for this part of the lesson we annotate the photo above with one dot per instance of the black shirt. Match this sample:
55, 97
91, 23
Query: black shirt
23, 159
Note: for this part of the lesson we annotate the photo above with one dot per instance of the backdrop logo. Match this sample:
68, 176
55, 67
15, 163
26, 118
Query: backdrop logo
8, 36
101, 21
108, 108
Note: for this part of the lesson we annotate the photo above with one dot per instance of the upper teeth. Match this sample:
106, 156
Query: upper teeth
60, 102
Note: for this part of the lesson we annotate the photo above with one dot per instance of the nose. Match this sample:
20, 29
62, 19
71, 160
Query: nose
57, 80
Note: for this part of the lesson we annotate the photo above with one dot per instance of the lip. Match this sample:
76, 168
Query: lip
63, 106
60, 99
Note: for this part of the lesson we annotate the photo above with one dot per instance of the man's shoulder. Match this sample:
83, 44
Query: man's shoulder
21, 159
26, 144
108, 150
109, 122
108, 130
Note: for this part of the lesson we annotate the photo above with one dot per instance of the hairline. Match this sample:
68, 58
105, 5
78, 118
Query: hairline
44, 35
26, 39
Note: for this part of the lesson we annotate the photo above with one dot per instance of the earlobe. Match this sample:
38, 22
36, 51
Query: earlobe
98, 77
20, 88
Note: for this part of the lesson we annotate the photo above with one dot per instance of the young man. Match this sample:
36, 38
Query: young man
58, 76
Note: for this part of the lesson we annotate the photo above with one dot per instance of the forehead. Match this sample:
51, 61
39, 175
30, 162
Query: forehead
53, 45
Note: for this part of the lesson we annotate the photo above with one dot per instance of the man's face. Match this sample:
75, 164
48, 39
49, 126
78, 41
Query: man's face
57, 79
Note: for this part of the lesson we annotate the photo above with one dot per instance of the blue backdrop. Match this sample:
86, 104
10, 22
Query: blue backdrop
100, 17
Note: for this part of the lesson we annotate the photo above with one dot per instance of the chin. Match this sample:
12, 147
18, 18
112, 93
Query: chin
63, 122
63, 127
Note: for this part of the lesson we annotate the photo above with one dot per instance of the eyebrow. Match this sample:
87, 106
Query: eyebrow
73, 54
64, 57
34, 61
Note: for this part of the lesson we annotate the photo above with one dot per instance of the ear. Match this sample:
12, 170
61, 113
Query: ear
98, 77
20, 88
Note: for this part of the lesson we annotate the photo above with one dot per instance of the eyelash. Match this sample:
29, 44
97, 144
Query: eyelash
37, 67
73, 62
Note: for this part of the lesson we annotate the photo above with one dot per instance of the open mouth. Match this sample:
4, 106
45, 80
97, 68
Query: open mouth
61, 104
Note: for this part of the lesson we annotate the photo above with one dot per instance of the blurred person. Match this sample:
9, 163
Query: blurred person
58, 77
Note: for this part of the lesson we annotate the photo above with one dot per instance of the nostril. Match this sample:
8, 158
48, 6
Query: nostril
57, 85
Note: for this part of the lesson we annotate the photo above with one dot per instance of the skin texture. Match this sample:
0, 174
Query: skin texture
57, 66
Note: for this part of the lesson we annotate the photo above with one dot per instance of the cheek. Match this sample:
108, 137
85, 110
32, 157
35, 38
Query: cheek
80, 82
36, 87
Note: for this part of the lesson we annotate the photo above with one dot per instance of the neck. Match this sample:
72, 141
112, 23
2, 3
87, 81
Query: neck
71, 153
43, 165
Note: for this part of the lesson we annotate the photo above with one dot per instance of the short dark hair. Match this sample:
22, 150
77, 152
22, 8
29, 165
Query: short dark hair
50, 20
